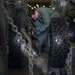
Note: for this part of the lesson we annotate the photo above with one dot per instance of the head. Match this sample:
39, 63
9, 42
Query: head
33, 13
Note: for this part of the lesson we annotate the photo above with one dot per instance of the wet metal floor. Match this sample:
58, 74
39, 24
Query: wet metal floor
24, 71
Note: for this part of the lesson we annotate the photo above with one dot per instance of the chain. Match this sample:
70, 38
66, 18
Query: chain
22, 41
68, 66
30, 62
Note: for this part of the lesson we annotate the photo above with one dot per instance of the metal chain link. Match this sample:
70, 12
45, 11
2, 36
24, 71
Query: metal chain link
68, 67
30, 62
22, 41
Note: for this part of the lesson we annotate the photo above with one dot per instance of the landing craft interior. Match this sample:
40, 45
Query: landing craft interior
19, 53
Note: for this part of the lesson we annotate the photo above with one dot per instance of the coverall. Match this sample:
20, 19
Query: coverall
42, 23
